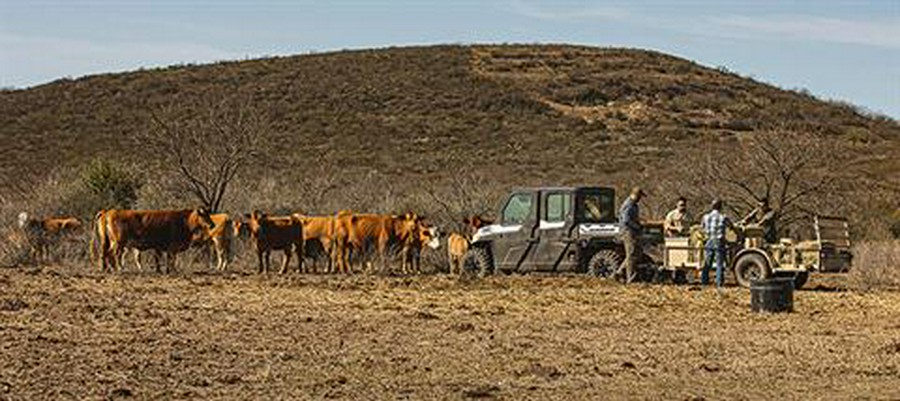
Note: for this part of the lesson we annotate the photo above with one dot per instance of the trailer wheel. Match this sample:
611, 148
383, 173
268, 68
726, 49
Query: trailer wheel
800, 279
751, 267
478, 260
604, 264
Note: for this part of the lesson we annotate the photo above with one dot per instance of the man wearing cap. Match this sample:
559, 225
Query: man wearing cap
714, 224
629, 220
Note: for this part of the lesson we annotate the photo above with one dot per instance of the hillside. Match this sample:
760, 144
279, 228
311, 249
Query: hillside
404, 118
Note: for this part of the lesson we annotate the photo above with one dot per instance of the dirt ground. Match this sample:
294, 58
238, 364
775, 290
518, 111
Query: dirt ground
75, 334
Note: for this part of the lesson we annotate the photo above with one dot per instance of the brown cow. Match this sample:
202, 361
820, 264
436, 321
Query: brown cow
41, 234
458, 244
276, 233
221, 236
219, 240
361, 233
166, 232
99, 245
318, 237
424, 235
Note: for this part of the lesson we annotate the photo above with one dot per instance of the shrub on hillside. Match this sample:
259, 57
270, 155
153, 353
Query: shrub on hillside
895, 224
876, 265
111, 185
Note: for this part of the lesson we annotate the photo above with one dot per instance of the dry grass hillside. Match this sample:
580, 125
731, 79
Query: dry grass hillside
377, 127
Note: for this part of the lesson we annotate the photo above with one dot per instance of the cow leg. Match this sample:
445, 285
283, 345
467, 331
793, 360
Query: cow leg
224, 253
328, 249
115, 249
217, 246
104, 254
110, 263
207, 251
299, 250
451, 258
336, 250
287, 260
337, 257
172, 259
224, 256
137, 259
102, 261
156, 257
404, 259
259, 256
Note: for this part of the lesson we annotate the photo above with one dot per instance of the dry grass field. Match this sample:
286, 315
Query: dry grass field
70, 333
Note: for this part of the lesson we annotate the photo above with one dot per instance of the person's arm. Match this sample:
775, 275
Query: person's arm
753, 214
633, 218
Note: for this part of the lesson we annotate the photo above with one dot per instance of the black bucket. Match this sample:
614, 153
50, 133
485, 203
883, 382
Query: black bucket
772, 295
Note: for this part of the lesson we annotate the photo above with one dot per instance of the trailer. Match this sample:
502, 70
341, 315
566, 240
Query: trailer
749, 257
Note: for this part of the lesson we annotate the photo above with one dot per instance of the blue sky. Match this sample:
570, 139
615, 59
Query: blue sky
843, 50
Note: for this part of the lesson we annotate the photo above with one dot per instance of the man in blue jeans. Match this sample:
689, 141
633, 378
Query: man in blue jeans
714, 224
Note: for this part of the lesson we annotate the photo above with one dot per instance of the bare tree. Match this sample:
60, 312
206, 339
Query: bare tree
788, 169
208, 147
465, 194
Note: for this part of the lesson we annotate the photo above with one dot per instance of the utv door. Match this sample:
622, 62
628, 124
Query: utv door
517, 241
555, 250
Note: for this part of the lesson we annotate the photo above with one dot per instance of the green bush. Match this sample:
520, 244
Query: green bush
111, 185
895, 224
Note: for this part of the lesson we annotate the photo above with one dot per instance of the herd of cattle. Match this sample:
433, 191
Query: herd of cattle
343, 240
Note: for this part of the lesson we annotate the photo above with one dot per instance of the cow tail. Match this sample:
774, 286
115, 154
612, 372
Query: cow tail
93, 241
99, 243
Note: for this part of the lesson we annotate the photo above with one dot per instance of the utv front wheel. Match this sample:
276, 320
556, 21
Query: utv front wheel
604, 264
478, 260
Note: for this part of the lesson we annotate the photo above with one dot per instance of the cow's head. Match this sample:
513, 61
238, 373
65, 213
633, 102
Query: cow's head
254, 222
205, 216
238, 228
431, 237
203, 220
425, 234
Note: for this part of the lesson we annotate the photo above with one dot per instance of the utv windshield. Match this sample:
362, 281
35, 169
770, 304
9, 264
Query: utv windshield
597, 206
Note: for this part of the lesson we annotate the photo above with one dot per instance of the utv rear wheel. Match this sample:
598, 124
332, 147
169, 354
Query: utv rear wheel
478, 260
750, 267
604, 264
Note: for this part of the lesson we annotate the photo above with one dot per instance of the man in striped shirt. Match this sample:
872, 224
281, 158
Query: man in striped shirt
714, 225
